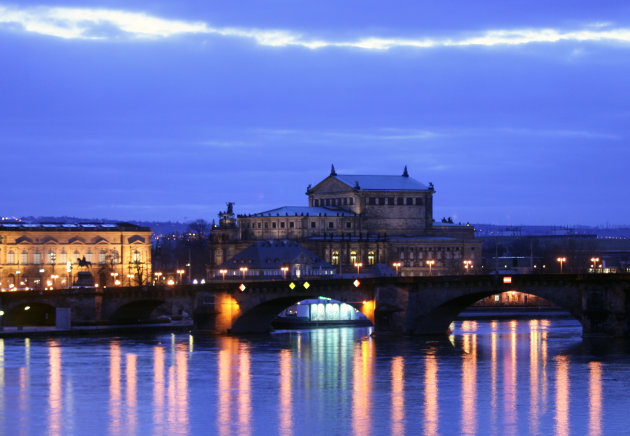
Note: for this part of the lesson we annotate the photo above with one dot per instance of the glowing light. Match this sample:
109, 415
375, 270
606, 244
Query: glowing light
356, 283
242, 287
292, 286
306, 285
507, 279
27, 307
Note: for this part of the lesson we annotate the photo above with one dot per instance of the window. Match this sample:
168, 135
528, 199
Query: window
136, 257
371, 258
266, 225
348, 225
328, 202
37, 258
399, 201
115, 257
291, 224
259, 225
409, 201
372, 201
282, 225
76, 256
102, 257
273, 225
88, 256
313, 224
390, 201
24, 257
316, 203
419, 201
381, 201
331, 225
334, 259
63, 257
345, 201
11, 258
52, 257
351, 201
353, 257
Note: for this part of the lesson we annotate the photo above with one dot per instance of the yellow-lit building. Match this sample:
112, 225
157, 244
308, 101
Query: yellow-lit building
45, 256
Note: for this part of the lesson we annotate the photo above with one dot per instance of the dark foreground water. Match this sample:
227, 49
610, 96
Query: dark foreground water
491, 377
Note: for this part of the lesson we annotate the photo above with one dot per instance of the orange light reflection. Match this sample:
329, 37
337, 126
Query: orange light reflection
398, 395
595, 398
286, 394
431, 413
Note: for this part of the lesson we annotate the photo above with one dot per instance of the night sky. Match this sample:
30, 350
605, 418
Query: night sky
518, 112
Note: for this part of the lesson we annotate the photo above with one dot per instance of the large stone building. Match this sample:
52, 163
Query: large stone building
358, 219
39, 256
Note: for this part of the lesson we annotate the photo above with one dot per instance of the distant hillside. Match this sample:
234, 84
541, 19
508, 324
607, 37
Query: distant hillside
525, 230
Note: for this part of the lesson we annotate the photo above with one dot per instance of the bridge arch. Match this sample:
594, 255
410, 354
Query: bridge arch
438, 317
30, 314
135, 311
258, 318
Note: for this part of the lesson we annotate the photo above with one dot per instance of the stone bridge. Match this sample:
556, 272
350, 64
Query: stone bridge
398, 305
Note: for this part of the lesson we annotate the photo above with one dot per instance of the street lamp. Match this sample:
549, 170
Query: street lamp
115, 276
284, 270
431, 263
595, 260
181, 274
157, 275
396, 265
358, 265
562, 260
223, 272
129, 277
243, 269
467, 265
53, 277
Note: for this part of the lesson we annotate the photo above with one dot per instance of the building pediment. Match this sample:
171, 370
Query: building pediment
49, 240
331, 185
100, 240
76, 240
23, 240
136, 239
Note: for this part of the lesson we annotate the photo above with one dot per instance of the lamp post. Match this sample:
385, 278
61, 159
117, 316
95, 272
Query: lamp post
223, 272
53, 277
181, 274
467, 265
431, 262
396, 265
129, 277
284, 270
157, 275
562, 260
243, 269
358, 265
595, 260
41, 276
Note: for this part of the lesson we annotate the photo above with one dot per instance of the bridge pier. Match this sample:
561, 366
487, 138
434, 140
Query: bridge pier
605, 311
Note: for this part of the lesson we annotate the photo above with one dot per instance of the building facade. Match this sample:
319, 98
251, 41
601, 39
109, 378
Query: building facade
49, 256
364, 220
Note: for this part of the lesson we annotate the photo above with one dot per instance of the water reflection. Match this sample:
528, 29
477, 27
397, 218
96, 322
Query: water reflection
516, 377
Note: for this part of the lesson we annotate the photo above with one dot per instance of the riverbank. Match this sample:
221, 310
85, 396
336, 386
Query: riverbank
32, 331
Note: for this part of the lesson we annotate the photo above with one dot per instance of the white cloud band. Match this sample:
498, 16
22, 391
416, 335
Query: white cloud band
104, 24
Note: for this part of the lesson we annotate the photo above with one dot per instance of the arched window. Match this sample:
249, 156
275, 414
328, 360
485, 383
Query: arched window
52, 257
11, 258
136, 257
115, 256
76, 256
334, 258
353, 257
371, 258
37, 257
88, 256
24, 257
102, 257
63, 257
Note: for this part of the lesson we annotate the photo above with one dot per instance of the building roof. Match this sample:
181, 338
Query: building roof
382, 183
302, 211
72, 227
273, 255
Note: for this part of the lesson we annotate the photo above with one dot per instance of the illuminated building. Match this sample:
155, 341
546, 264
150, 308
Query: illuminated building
38, 256
351, 219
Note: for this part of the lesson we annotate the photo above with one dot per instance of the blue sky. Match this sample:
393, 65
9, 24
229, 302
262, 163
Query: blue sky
518, 112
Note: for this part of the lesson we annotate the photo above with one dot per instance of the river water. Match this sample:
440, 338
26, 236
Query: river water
489, 377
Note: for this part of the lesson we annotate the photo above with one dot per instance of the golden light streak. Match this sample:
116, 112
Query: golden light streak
469, 385
115, 391
244, 391
595, 399
181, 362
431, 406
534, 406
224, 365
286, 393
398, 395
362, 388
510, 387
131, 393
55, 395
158, 390
562, 396
493, 376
